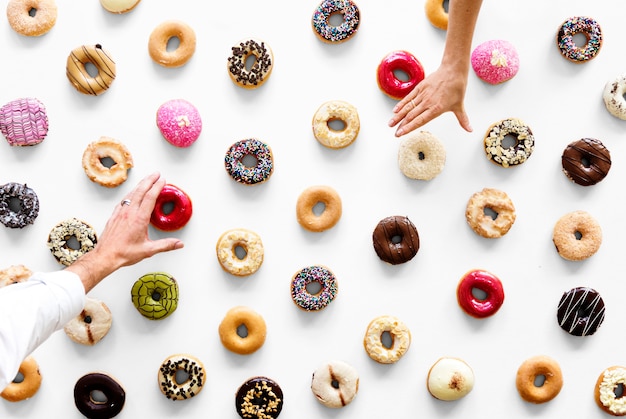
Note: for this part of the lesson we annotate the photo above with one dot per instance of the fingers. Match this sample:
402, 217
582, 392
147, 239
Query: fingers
165, 245
464, 121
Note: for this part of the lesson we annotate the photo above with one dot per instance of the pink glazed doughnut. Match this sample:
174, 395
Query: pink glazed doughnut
402, 61
24, 122
495, 61
179, 122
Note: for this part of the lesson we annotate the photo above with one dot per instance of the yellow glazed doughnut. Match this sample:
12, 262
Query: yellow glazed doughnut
98, 151
326, 115
483, 223
307, 202
32, 17
119, 6
78, 74
91, 325
437, 14
421, 155
374, 336
14, 274
161, 36
539, 366
450, 379
577, 235
250, 339
605, 391
250, 244
26, 388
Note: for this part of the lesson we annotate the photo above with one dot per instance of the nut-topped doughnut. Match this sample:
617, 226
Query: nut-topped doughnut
79, 76
91, 325
609, 384
32, 17
96, 155
335, 34
324, 130
66, 230
24, 122
240, 251
192, 370
391, 65
523, 142
490, 213
19, 205
586, 161
249, 174
29, 384
577, 235
155, 295
314, 300
396, 239
580, 311
567, 44
255, 75
259, 398
375, 343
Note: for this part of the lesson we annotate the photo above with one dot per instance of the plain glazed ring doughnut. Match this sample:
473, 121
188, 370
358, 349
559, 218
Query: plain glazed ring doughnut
161, 37
579, 25
542, 367
190, 367
336, 34
32, 17
437, 14
306, 205
450, 379
586, 161
14, 274
251, 248
155, 295
78, 74
607, 386
24, 122
490, 213
483, 281
97, 156
518, 152
318, 299
396, 239
394, 63
421, 155
495, 61
26, 210
119, 6
180, 122
253, 174
28, 383
259, 398
331, 112
110, 388
580, 311
91, 325
173, 209
335, 384
64, 232
242, 330
250, 76
614, 97
375, 339
577, 236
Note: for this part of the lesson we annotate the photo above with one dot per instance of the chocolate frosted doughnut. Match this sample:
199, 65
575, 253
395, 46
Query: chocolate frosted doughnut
97, 409
586, 161
515, 154
396, 239
27, 205
581, 311
259, 397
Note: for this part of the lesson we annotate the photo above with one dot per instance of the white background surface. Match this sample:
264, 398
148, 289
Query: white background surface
559, 100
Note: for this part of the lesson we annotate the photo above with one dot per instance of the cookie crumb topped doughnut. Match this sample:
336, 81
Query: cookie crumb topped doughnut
78, 75
155, 295
437, 14
161, 37
92, 383
64, 233
306, 212
313, 277
96, 159
173, 209
586, 161
566, 43
258, 170
179, 121
375, 339
240, 251
486, 282
521, 147
335, 384
259, 398
495, 61
577, 235
169, 377
250, 76
19, 205
450, 379
396, 239
14, 274
490, 213
91, 325
28, 383
329, 33
24, 122
614, 96
581, 311
342, 113
32, 17
421, 155
242, 330
394, 63
610, 383
119, 6
542, 367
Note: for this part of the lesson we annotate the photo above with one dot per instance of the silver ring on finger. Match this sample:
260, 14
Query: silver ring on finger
125, 202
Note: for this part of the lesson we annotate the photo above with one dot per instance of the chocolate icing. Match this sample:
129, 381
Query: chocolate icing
28, 202
388, 248
115, 396
581, 311
259, 397
586, 161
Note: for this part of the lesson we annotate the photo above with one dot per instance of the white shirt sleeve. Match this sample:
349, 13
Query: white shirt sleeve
31, 311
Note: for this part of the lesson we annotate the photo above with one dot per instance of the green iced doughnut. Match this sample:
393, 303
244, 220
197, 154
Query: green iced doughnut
155, 295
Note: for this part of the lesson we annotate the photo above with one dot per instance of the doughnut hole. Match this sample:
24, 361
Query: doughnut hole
580, 39
401, 75
240, 251
539, 380
618, 390
337, 125
509, 141
479, 294
71, 242
396, 239
181, 376
15, 204
249, 160
250, 61
336, 18
173, 43
314, 287
319, 208
91, 69
87, 319
446, 5
386, 339
19, 378
98, 397
578, 235
490, 212
167, 207
242, 331
107, 162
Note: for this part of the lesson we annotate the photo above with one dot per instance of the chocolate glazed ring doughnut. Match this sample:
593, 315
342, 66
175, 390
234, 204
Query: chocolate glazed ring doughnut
259, 397
26, 209
586, 161
396, 239
581, 311
497, 149
99, 382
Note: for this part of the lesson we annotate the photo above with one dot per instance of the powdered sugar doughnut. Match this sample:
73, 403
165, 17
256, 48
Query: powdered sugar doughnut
495, 61
24, 121
179, 122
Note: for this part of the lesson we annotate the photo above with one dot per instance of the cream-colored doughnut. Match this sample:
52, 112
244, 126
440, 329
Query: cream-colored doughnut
539, 366
421, 155
450, 379
97, 171
119, 6
160, 37
604, 393
26, 388
91, 325
194, 373
483, 223
336, 110
255, 75
374, 336
613, 96
335, 384
14, 274
251, 245
79, 76
32, 17
577, 235
255, 328
309, 198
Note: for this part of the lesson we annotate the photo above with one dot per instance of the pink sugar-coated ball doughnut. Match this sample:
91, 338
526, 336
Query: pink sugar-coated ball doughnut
179, 122
495, 61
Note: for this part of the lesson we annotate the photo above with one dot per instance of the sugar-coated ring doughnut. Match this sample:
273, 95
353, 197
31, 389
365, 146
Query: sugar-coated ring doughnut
95, 164
253, 335
155, 295
586, 161
19, 205
539, 366
32, 17
437, 14
614, 96
606, 389
173, 209
421, 155
240, 171
66, 230
255, 75
335, 383
119, 6
306, 205
336, 34
14, 274
160, 38
193, 371
450, 379
259, 397
313, 301
78, 74
490, 213
495, 61
579, 25
252, 250
179, 121
27, 384
24, 122
375, 343
396, 239
580, 311
327, 134
388, 71
483, 281
113, 392
577, 235
515, 154
91, 325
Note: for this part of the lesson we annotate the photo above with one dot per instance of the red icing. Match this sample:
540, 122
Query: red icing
483, 281
399, 61
180, 214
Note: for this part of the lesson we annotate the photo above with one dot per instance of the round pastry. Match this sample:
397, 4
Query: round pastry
335, 34
160, 39
251, 246
437, 14
179, 122
260, 398
495, 61
486, 282
614, 97
540, 366
249, 174
14, 274
119, 6
96, 156
580, 311
306, 205
579, 25
375, 343
91, 325
577, 236
19, 205
335, 384
315, 300
24, 122
244, 74
172, 210
396, 239
346, 116
77, 72
586, 161
450, 379
480, 207
190, 367
155, 295
32, 17
394, 63
242, 330
515, 154
611, 382
25, 384
92, 383
64, 232
421, 155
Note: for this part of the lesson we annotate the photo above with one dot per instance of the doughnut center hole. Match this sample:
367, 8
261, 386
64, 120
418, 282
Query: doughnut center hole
15, 205
335, 384
336, 19
32, 12
401, 75
386, 339
578, 235
87, 319
336, 124
396, 239
167, 207
181, 377
421, 155
509, 141
72, 242
619, 391
586, 162
240, 252
479, 294
250, 61
242, 331
490, 212
156, 295
445, 4
19, 378
580, 39
583, 312
91, 69
249, 161
314, 287
172, 44
107, 162
319, 208
98, 397
539, 380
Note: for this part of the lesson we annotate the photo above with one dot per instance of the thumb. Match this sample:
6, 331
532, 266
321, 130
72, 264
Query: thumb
165, 245
463, 119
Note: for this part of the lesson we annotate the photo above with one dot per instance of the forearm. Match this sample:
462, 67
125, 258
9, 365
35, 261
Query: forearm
462, 17
93, 267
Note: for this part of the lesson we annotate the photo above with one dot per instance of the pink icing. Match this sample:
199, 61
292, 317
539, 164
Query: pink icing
179, 122
24, 122
495, 61
399, 61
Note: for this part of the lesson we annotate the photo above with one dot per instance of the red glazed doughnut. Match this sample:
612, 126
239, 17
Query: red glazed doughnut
485, 282
172, 209
399, 61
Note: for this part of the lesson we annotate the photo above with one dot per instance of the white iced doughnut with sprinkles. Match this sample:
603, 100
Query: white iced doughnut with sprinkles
332, 34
